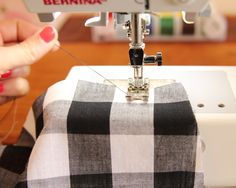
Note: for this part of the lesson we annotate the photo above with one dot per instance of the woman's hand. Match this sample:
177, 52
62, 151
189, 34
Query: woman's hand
21, 44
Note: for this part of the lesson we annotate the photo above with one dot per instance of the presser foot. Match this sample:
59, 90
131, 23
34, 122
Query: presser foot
138, 91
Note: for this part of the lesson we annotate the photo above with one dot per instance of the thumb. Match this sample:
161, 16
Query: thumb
29, 51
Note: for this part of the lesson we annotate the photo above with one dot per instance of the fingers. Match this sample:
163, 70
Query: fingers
29, 51
16, 30
17, 72
14, 87
21, 72
11, 86
56, 46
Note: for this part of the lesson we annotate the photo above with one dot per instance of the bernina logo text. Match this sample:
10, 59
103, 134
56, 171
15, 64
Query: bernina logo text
73, 2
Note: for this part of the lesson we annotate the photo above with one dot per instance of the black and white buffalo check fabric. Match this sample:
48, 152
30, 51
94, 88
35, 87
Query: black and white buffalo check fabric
88, 136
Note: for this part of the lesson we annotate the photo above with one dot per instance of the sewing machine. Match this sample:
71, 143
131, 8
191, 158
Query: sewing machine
211, 108
135, 25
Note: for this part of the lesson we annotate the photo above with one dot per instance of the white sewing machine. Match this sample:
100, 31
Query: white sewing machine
212, 90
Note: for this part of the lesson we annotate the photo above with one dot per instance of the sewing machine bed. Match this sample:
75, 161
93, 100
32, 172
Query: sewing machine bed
212, 92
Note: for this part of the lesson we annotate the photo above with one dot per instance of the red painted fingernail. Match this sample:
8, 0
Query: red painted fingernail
1, 87
47, 34
7, 74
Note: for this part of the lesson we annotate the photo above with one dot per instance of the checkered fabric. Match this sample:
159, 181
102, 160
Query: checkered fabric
89, 136
13, 160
